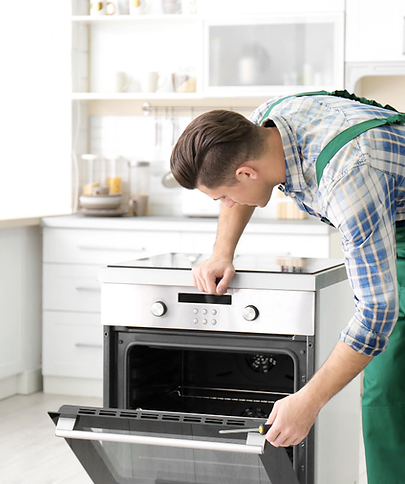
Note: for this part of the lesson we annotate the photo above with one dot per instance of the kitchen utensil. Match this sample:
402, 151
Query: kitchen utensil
138, 7
138, 205
188, 7
151, 81
117, 212
101, 202
102, 8
171, 6
169, 181
121, 81
262, 429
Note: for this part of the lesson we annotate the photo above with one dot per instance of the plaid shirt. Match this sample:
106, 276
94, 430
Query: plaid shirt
362, 192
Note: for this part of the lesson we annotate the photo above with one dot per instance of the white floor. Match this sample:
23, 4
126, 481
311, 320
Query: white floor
31, 454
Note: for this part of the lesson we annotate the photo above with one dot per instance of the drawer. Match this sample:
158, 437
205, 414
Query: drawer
105, 246
298, 245
71, 288
72, 345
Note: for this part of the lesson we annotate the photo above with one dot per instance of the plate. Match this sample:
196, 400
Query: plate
93, 212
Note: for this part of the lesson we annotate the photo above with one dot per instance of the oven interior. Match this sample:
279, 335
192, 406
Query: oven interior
234, 383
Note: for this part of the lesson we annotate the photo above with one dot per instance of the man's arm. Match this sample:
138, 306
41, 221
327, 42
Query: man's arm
231, 224
293, 416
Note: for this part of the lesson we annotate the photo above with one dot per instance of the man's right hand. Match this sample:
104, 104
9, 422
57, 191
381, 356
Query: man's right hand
206, 274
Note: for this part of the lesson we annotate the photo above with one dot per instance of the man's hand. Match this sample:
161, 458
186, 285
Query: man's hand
293, 416
292, 419
205, 275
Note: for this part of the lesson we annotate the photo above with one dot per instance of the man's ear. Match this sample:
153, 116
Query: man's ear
246, 171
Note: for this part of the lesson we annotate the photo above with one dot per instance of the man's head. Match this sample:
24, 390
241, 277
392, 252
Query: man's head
213, 146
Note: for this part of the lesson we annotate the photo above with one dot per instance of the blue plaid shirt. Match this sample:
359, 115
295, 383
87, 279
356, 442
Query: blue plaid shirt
362, 192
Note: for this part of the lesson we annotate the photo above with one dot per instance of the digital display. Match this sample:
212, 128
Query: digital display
204, 298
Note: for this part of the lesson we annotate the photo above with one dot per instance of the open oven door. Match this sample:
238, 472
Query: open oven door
140, 447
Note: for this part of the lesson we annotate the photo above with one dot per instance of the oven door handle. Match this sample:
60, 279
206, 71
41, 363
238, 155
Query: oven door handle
65, 426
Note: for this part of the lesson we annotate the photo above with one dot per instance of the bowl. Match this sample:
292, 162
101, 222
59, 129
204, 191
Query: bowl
101, 202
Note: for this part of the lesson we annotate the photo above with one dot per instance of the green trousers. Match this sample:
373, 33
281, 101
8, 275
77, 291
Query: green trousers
384, 397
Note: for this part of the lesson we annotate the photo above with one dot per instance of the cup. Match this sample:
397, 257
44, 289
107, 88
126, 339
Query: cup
138, 205
138, 7
102, 8
171, 6
151, 81
121, 81
188, 7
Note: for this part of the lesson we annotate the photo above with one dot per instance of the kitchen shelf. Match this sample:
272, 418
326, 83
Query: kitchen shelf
92, 19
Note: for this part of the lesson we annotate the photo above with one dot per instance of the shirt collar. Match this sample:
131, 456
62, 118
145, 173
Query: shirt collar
295, 181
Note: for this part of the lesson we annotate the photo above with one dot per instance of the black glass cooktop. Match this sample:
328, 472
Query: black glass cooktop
242, 263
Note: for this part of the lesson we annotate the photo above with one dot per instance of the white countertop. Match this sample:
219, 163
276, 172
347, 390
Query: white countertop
185, 224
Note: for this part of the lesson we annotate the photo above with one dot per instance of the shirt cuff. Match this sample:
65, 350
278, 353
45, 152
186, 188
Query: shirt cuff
363, 339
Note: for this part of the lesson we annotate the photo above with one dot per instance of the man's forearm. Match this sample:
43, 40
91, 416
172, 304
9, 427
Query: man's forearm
338, 370
231, 224
293, 416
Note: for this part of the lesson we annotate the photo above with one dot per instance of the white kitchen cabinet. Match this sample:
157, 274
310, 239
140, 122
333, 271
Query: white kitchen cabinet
233, 51
75, 247
375, 31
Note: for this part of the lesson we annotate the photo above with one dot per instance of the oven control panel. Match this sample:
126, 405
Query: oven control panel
240, 310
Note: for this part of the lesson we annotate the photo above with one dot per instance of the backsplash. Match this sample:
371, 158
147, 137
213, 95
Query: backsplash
146, 138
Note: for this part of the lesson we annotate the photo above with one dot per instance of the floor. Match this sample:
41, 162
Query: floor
31, 454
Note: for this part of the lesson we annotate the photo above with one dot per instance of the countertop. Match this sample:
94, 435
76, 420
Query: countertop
185, 224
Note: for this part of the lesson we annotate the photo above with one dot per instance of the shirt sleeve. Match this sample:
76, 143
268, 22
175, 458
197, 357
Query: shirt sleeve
362, 205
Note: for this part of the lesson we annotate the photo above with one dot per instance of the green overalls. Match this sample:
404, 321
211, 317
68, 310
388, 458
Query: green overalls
383, 399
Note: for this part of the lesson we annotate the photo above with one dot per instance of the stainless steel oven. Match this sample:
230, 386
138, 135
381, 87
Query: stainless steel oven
179, 366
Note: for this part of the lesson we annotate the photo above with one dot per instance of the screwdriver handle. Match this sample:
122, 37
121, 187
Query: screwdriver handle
264, 428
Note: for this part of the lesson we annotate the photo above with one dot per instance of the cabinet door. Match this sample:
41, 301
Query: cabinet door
375, 31
272, 54
105, 246
72, 345
69, 287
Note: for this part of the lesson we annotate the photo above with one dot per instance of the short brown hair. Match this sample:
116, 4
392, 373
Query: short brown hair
212, 147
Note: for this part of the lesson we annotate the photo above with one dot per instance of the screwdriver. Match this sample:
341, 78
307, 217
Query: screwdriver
262, 429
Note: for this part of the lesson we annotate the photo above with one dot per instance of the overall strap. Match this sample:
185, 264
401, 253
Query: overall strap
335, 144
348, 134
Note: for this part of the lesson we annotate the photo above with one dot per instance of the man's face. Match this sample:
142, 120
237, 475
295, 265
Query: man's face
245, 192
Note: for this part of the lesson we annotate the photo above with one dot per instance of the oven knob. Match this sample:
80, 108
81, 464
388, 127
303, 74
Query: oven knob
158, 308
250, 313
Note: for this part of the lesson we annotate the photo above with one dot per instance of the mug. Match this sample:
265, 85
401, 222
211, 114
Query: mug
150, 81
138, 7
121, 81
171, 6
102, 8
138, 205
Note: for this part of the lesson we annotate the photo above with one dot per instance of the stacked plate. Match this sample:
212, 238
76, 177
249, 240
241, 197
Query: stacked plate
102, 205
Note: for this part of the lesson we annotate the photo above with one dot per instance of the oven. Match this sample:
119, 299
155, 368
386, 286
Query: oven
182, 367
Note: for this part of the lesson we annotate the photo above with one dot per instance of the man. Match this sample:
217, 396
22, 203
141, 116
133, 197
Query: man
362, 193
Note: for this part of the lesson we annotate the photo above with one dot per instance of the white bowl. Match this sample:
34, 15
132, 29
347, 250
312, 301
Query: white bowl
101, 202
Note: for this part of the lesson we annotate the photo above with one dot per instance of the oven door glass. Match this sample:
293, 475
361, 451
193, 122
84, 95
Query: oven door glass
137, 447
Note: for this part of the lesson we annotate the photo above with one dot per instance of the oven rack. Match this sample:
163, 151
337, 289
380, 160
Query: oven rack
230, 395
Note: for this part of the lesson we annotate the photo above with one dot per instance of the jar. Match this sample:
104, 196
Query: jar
139, 186
95, 174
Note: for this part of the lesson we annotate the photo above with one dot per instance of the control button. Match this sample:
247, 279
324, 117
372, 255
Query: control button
158, 309
250, 313
214, 312
195, 311
204, 311
214, 322
195, 321
204, 321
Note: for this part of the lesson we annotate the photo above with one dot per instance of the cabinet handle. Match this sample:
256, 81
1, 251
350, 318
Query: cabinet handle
90, 289
88, 345
116, 249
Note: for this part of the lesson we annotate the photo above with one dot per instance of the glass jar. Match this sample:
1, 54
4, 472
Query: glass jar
139, 186
95, 174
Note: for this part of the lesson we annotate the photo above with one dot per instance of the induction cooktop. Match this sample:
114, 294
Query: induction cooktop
242, 263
